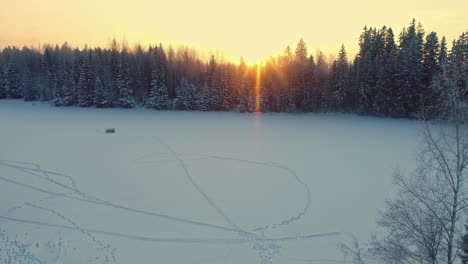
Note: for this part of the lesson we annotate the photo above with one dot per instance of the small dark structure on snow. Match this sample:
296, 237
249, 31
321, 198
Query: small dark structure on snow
110, 130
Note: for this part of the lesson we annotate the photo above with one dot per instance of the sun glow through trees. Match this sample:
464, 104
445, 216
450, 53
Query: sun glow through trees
258, 88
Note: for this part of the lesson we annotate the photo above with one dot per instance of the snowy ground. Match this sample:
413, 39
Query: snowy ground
192, 187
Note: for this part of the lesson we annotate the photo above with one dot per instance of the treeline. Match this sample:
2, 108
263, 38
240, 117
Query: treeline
385, 78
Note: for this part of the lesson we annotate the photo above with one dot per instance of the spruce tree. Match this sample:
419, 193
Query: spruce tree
11, 81
288, 93
51, 91
102, 94
410, 67
301, 52
3, 93
224, 90
310, 94
186, 95
84, 90
459, 53
323, 92
443, 52
251, 103
213, 80
115, 69
203, 98
246, 103
158, 97
393, 94
300, 71
430, 57
341, 79
30, 88
124, 99
366, 84
66, 75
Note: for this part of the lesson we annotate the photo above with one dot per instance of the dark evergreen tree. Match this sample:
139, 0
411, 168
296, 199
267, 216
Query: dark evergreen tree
159, 97
11, 81
203, 98
30, 87
3, 93
288, 102
115, 69
311, 95
300, 71
443, 52
341, 79
66, 76
102, 93
430, 58
246, 101
223, 86
84, 89
186, 95
323, 93
411, 68
51, 91
124, 98
366, 83
393, 94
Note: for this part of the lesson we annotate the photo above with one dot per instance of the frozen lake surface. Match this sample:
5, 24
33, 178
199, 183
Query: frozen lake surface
192, 187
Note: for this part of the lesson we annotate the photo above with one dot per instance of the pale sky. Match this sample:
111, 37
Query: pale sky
250, 28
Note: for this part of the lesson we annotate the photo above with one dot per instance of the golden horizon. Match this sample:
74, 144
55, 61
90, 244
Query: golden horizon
252, 30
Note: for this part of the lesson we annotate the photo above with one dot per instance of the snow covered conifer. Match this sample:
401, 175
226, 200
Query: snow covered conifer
341, 78
310, 97
301, 52
299, 74
430, 58
203, 98
30, 87
10, 82
102, 95
410, 67
246, 100
158, 96
443, 52
186, 95
2, 83
124, 99
224, 87
84, 96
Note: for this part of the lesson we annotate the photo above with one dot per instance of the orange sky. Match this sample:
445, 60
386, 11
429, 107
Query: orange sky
250, 28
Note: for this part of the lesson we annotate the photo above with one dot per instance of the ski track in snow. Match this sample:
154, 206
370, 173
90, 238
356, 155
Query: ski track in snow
45, 173
167, 240
265, 247
289, 171
90, 199
266, 250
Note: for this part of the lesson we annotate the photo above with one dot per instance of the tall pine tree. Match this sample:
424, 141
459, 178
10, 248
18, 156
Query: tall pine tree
341, 79
158, 97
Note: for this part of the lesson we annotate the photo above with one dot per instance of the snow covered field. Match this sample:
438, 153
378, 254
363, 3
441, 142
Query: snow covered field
192, 187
